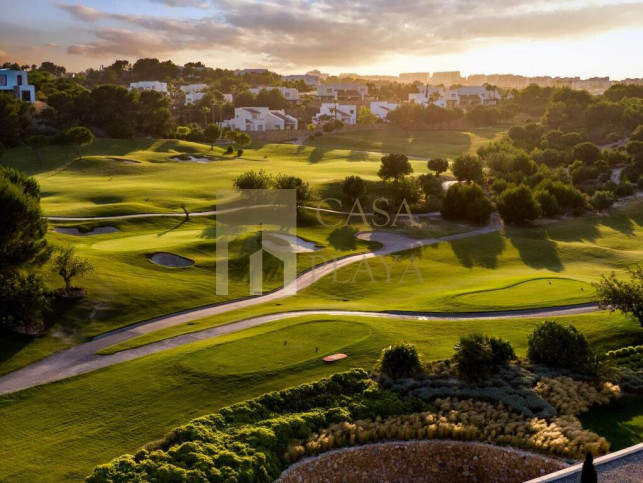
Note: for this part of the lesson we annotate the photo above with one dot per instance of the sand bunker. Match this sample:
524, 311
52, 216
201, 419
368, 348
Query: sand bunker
283, 242
99, 230
171, 260
192, 159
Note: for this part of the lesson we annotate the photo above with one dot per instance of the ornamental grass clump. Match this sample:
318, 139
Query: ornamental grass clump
573, 397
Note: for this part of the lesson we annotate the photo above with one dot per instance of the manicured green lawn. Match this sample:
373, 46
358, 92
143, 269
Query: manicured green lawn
426, 144
60, 431
621, 423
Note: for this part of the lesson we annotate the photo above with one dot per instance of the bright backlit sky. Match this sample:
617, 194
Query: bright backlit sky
530, 37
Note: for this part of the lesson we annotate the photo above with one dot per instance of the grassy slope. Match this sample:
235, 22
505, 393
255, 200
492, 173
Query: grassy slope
428, 144
620, 422
488, 272
60, 431
98, 185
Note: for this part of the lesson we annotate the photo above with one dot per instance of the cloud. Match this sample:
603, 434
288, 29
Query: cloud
291, 33
82, 12
4, 56
184, 3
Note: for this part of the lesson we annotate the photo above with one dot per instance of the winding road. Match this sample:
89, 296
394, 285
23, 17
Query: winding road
83, 358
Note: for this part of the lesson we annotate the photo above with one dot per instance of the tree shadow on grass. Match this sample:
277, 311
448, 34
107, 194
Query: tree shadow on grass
343, 238
619, 222
317, 155
358, 156
535, 248
479, 251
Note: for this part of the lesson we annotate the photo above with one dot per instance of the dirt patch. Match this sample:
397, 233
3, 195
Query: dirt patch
423, 461
171, 260
99, 230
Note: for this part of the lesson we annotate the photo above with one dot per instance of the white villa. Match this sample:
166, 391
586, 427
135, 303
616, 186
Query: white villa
193, 92
228, 98
149, 86
289, 93
16, 82
462, 96
260, 119
382, 108
345, 113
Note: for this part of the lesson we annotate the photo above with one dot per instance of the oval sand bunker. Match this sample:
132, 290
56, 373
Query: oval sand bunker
99, 230
171, 260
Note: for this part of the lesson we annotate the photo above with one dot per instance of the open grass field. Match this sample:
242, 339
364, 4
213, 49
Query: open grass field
528, 267
102, 184
621, 422
426, 144
60, 431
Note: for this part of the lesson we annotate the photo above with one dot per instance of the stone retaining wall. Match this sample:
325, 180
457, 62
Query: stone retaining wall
422, 461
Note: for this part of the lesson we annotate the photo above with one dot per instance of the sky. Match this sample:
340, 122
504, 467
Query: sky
529, 37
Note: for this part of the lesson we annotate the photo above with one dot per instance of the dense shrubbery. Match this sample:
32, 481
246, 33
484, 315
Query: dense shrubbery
399, 361
464, 421
247, 441
573, 397
556, 345
477, 356
466, 202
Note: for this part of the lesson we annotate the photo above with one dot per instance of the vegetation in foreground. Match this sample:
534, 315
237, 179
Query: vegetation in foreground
143, 399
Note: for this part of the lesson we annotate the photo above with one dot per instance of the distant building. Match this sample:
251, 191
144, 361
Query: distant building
149, 86
260, 119
250, 71
382, 108
411, 77
345, 113
228, 98
309, 80
193, 92
289, 93
321, 75
447, 78
16, 82
336, 92
461, 97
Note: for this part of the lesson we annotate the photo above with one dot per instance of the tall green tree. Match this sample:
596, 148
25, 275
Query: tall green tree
212, 132
394, 167
437, 165
468, 167
624, 295
517, 204
79, 136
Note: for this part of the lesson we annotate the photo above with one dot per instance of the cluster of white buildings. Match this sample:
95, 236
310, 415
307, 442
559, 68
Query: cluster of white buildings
16, 82
457, 97
260, 119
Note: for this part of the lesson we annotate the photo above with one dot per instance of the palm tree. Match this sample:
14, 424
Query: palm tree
205, 110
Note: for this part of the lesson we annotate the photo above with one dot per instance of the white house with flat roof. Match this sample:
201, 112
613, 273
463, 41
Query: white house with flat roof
16, 82
149, 86
260, 119
289, 93
344, 112
382, 108
342, 91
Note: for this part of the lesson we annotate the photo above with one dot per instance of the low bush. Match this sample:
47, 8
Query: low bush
573, 397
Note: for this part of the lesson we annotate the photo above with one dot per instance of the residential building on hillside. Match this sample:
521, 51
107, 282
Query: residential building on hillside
149, 86
309, 80
260, 119
342, 91
193, 92
382, 108
228, 98
461, 97
289, 93
250, 71
331, 110
16, 82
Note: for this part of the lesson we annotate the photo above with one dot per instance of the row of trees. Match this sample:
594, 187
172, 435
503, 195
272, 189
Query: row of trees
24, 297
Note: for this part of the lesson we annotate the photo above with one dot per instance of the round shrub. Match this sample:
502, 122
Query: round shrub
476, 356
556, 345
400, 361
